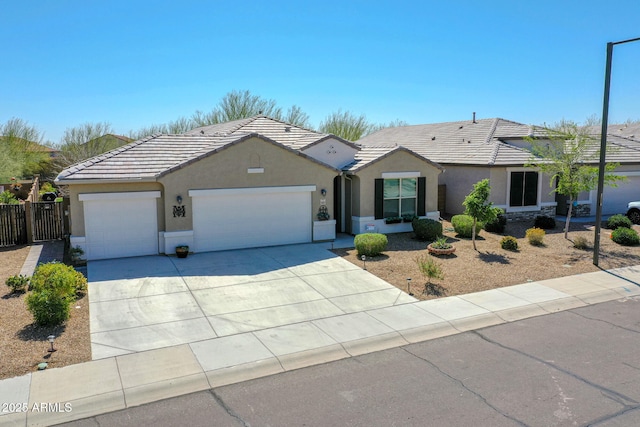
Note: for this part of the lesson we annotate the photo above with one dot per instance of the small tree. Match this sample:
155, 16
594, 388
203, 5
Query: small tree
477, 206
567, 154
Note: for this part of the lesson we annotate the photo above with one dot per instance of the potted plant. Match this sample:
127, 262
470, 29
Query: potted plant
323, 214
441, 247
393, 220
182, 251
408, 218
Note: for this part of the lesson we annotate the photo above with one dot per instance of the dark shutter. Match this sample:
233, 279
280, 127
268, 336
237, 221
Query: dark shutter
379, 199
422, 193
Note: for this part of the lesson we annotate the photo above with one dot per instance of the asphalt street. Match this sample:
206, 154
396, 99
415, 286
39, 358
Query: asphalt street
573, 368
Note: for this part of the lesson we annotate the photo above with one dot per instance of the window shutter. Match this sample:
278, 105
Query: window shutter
422, 193
379, 199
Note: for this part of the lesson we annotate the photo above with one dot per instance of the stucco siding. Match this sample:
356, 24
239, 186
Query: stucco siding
364, 186
251, 163
459, 181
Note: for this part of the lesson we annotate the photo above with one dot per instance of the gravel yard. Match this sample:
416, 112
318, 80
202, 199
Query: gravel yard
22, 344
491, 266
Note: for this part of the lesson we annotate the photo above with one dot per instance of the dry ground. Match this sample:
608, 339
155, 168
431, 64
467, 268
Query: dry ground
491, 266
23, 345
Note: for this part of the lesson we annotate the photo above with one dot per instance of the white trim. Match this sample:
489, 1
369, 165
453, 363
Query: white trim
83, 197
391, 175
542, 204
253, 190
255, 170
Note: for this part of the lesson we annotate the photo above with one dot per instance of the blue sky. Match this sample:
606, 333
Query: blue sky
135, 63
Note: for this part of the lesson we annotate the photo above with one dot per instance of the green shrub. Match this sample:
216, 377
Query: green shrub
426, 229
617, 221
370, 244
48, 307
625, 236
429, 267
581, 242
8, 198
544, 222
17, 283
463, 224
60, 279
535, 236
509, 243
497, 225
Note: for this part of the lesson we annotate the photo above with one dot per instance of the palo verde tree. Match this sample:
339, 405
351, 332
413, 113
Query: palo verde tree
478, 206
237, 105
569, 154
22, 151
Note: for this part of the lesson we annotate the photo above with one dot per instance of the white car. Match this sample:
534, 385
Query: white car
633, 212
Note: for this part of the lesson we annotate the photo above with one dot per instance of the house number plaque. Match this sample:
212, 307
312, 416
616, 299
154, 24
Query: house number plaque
179, 211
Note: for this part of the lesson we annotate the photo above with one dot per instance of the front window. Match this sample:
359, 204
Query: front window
524, 189
400, 197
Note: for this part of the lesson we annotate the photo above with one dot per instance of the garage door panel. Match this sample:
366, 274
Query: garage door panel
615, 200
233, 221
120, 228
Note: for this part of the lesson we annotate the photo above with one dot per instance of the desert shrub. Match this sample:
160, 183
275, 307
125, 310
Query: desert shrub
544, 222
429, 267
370, 244
463, 225
581, 242
497, 225
509, 243
616, 221
60, 279
17, 283
48, 307
625, 236
535, 236
426, 229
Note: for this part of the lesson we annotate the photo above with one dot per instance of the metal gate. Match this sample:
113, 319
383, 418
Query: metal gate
13, 225
47, 221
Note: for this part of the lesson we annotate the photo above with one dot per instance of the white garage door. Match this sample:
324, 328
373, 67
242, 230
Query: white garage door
120, 224
251, 217
614, 200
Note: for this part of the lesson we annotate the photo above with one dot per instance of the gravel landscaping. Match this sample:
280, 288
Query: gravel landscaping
22, 344
490, 267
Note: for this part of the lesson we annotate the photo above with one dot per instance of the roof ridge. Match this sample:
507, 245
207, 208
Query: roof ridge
291, 124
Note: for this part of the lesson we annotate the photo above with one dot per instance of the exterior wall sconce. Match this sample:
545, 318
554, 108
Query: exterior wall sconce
179, 200
323, 192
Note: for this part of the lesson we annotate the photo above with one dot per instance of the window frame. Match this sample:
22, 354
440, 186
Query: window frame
537, 206
400, 197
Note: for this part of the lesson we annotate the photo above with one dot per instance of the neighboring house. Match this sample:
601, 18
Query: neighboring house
247, 183
498, 149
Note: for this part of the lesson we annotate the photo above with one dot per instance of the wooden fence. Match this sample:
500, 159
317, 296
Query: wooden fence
13, 225
31, 222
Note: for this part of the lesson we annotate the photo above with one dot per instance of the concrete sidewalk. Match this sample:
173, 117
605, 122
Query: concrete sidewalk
100, 386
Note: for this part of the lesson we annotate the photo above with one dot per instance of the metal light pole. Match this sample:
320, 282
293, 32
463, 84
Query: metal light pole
603, 145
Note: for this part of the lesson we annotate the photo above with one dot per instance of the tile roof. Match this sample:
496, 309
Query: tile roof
469, 142
285, 133
147, 158
371, 154
156, 155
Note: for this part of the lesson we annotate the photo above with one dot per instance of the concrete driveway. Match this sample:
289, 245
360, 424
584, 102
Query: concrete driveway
145, 303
